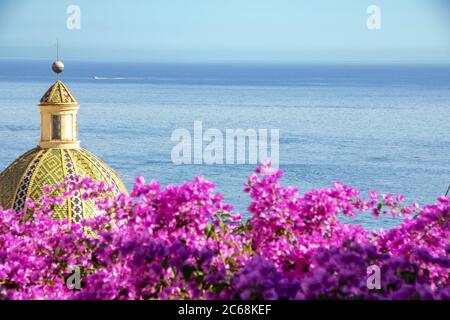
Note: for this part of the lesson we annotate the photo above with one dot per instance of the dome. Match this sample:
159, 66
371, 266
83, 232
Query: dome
26, 177
58, 155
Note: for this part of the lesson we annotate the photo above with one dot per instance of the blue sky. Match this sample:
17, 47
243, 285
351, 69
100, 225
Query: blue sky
227, 30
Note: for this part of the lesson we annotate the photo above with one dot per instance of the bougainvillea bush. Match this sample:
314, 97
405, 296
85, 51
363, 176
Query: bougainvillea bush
183, 242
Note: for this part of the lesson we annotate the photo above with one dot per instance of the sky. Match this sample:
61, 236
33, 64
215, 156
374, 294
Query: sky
227, 30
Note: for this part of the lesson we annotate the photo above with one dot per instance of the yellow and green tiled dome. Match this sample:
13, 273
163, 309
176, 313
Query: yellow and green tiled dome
57, 156
26, 177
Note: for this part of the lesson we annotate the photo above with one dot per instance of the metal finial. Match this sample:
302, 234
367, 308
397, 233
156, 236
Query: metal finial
58, 65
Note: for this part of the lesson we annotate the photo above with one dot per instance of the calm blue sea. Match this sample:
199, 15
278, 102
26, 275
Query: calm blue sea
384, 127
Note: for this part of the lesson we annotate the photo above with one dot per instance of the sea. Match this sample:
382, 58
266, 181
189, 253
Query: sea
381, 126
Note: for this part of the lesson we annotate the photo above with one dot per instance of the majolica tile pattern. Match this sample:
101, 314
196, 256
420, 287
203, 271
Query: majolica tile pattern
58, 93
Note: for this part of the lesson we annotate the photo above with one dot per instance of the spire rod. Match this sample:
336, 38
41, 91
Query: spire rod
57, 49
57, 56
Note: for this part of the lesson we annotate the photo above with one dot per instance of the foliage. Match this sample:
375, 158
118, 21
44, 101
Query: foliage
182, 242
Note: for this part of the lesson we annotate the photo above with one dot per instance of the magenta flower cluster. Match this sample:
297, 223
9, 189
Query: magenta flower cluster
183, 242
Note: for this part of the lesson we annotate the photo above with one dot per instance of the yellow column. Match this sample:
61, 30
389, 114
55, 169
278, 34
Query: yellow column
67, 133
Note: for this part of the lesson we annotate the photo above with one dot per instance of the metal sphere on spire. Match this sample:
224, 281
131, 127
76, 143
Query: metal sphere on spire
58, 66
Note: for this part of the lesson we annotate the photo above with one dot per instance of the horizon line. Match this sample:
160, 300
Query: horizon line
243, 61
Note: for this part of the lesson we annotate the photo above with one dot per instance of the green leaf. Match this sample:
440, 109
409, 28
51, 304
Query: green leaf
199, 280
209, 231
188, 271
